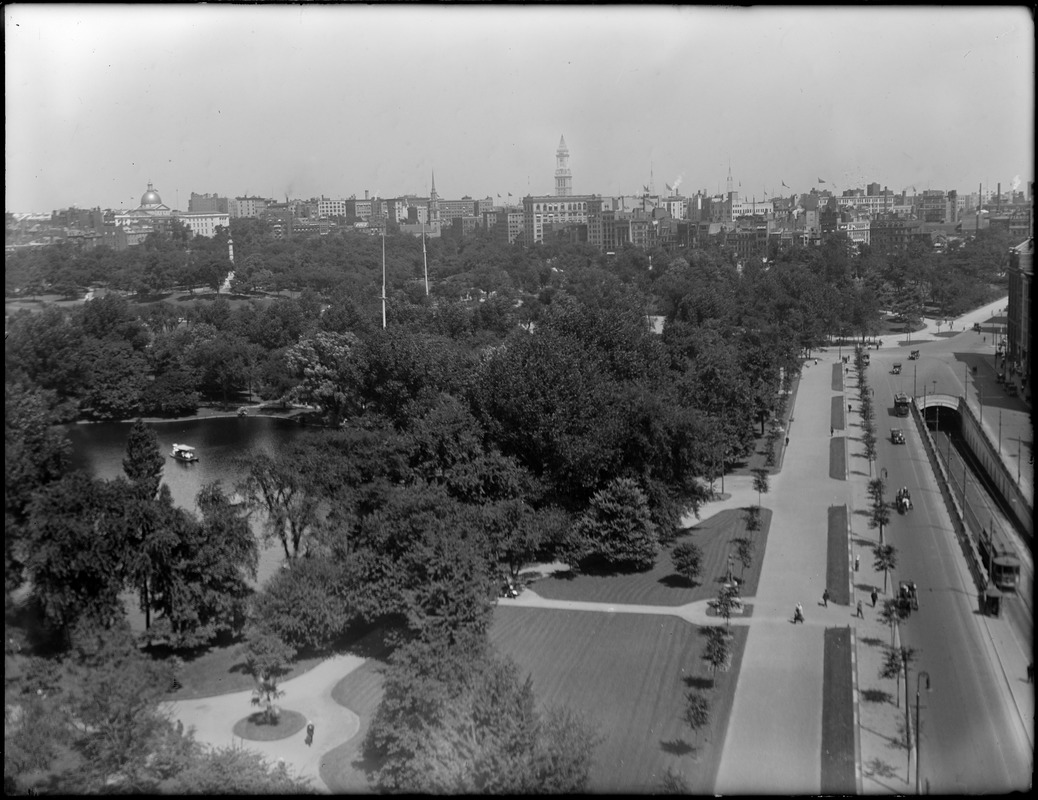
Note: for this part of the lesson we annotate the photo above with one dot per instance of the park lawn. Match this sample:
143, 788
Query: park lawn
661, 586
627, 674
221, 670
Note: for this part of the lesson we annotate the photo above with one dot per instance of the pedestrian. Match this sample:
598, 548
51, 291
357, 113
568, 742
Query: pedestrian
874, 596
309, 733
848, 408
830, 430
825, 598
860, 612
787, 441
857, 563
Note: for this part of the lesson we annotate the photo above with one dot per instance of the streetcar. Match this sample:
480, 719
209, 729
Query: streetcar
901, 404
1001, 562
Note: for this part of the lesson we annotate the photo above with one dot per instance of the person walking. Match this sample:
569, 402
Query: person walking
874, 596
830, 430
309, 734
860, 612
857, 563
798, 614
825, 598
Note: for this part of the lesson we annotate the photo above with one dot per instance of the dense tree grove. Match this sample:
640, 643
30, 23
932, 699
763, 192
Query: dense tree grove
524, 409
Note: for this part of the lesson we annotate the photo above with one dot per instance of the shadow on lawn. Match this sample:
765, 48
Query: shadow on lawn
677, 747
675, 581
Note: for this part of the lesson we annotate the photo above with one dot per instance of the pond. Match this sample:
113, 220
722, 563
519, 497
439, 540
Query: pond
99, 449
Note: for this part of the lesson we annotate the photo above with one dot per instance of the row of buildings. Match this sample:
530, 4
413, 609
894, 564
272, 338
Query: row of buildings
878, 217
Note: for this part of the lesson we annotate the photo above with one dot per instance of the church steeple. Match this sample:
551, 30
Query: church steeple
563, 179
434, 208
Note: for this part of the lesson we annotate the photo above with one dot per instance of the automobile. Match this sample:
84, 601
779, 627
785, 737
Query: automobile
897, 436
896, 369
914, 355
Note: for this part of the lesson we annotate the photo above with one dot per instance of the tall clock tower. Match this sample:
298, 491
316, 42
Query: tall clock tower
563, 179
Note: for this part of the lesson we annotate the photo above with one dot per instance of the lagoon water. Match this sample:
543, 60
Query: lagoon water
99, 449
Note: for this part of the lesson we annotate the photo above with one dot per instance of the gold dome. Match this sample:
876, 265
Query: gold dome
151, 197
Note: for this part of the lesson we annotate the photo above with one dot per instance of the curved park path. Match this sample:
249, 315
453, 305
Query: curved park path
310, 694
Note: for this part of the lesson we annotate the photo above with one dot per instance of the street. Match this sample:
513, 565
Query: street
973, 737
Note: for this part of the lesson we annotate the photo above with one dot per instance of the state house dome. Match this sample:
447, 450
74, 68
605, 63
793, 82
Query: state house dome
151, 197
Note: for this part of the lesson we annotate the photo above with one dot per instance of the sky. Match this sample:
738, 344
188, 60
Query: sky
335, 100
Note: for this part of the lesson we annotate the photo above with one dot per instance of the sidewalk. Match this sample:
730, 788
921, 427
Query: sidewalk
774, 739
310, 694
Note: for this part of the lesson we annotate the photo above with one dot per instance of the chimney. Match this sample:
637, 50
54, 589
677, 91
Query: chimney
366, 194
998, 202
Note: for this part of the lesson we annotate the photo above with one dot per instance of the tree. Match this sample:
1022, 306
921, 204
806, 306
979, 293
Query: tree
753, 520
267, 659
896, 661
324, 364
725, 604
36, 453
879, 514
147, 537
617, 526
308, 604
236, 771
113, 701
718, 651
143, 461
205, 588
687, 558
760, 482
277, 485
885, 559
74, 561
744, 549
697, 711
459, 719
869, 439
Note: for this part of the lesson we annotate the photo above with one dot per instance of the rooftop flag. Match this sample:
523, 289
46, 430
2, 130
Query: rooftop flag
820, 180
784, 184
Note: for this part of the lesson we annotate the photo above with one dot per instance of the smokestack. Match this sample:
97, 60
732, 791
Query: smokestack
366, 194
998, 202
980, 206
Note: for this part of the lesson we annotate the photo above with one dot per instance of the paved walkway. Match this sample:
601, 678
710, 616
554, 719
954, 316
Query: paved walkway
310, 694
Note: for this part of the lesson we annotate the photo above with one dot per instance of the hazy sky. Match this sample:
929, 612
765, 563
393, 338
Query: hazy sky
336, 100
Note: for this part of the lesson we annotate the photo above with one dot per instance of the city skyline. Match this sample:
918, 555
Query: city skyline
335, 101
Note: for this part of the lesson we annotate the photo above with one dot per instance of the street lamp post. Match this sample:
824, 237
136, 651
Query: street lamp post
918, 733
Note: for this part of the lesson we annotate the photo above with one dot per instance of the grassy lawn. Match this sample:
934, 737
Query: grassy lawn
838, 726
838, 458
221, 670
837, 573
628, 675
661, 585
255, 728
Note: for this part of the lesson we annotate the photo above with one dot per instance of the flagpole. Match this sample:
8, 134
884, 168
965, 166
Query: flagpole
425, 259
384, 272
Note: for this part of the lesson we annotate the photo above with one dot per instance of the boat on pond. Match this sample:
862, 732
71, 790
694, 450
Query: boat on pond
183, 452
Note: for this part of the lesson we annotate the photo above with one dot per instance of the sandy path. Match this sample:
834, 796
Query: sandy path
310, 694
